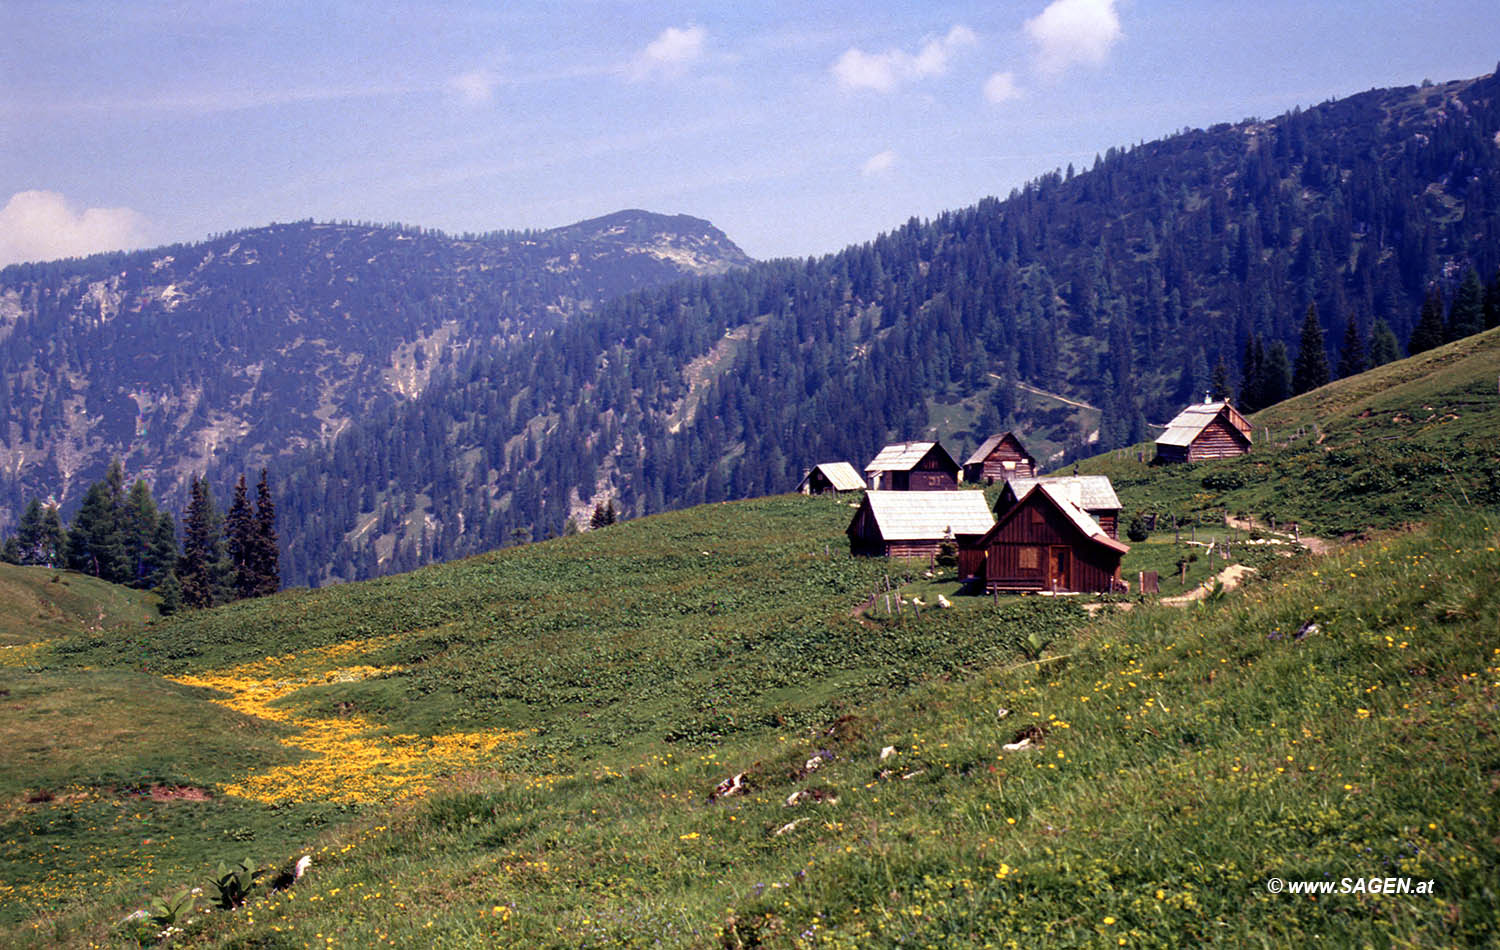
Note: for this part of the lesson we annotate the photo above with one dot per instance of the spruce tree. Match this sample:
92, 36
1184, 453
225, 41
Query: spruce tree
1429, 330
266, 546
201, 568
1253, 375
1352, 360
96, 539
239, 528
1466, 316
1218, 384
139, 521
161, 556
1277, 380
1384, 347
39, 538
1311, 369
1492, 302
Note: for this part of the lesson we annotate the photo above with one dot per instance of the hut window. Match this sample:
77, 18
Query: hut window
1037, 518
1030, 559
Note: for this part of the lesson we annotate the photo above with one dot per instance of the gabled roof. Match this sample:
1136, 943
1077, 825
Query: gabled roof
1089, 492
841, 475
1188, 424
926, 515
903, 456
1059, 496
990, 444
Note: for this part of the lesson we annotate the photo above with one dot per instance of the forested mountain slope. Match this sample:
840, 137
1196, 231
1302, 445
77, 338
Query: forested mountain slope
1118, 287
241, 349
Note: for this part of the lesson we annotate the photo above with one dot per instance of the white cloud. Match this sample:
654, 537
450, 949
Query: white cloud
670, 53
1001, 87
40, 226
475, 87
879, 164
1074, 31
883, 72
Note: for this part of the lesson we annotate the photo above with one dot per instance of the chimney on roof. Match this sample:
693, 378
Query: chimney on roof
1208, 399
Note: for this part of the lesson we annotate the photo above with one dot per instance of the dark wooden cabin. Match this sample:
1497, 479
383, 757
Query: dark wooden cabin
1046, 542
1093, 493
1208, 430
913, 466
915, 524
999, 458
831, 477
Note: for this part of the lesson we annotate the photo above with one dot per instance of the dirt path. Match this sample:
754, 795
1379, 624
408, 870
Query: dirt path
1230, 577
1315, 545
1042, 392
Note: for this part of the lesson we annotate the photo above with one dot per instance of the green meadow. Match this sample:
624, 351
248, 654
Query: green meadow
522, 749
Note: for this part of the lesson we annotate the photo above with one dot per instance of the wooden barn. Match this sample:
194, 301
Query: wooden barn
913, 466
1208, 430
1093, 493
915, 524
1046, 542
1000, 457
828, 477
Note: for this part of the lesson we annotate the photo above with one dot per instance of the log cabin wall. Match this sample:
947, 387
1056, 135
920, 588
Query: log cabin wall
1018, 551
1218, 440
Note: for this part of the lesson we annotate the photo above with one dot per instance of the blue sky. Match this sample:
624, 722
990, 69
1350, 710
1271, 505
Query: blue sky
798, 128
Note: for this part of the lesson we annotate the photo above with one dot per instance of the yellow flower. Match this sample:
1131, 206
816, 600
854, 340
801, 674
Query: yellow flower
690, 836
1109, 921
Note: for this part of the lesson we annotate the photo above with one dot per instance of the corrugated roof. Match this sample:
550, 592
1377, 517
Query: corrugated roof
1188, 424
1091, 492
841, 475
984, 450
899, 457
1079, 517
926, 515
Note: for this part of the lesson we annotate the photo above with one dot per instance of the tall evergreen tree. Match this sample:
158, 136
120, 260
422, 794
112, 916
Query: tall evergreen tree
1277, 383
139, 524
1384, 347
239, 528
97, 538
39, 538
1492, 302
1218, 383
1429, 331
201, 568
1253, 375
1466, 316
161, 556
1311, 369
266, 551
1352, 360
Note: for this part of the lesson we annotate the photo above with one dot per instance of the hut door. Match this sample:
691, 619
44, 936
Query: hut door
1058, 564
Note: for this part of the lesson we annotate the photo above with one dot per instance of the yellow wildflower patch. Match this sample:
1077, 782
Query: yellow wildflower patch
347, 761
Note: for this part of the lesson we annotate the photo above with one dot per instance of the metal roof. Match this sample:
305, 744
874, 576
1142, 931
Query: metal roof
1188, 424
1089, 492
899, 457
984, 450
926, 515
841, 475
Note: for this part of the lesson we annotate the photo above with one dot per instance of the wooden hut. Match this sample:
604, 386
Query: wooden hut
1000, 457
1093, 493
831, 477
915, 524
913, 466
1046, 542
1208, 430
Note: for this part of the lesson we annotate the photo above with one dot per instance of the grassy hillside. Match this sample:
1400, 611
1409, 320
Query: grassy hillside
1381, 449
38, 603
523, 748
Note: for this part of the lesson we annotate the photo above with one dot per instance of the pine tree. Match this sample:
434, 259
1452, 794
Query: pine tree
97, 537
1253, 375
1384, 347
239, 529
1492, 302
1466, 316
170, 591
140, 519
1352, 352
1277, 381
161, 556
266, 549
201, 568
1311, 369
1429, 330
1218, 384
39, 538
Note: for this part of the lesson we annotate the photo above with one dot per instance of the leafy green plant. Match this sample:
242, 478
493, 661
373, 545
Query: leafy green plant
169, 910
231, 886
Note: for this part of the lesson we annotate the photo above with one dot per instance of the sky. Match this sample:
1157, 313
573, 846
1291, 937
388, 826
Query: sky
796, 128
